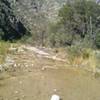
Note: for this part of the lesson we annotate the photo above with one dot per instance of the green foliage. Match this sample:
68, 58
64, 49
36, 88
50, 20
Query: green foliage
78, 19
75, 50
77, 55
10, 27
86, 53
4, 46
66, 13
97, 41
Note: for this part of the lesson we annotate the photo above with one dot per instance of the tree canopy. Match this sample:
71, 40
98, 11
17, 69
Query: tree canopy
10, 27
78, 19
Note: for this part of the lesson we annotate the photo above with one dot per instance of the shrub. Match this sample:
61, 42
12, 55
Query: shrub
86, 53
74, 52
4, 46
97, 41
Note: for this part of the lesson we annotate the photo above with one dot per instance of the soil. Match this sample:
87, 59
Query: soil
40, 83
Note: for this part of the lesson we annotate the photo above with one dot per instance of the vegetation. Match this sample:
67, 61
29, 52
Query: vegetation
79, 22
4, 46
77, 26
97, 41
10, 27
49, 41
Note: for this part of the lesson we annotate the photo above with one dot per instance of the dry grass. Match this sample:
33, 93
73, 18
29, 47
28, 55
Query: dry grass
4, 46
81, 57
4, 49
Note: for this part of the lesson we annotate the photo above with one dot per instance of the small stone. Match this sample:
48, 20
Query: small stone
1, 68
20, 49
43, 68
26, 66
55, 90
23, 96
16, 92
19, 65
20, 82
55, 97
15, 65
32, 65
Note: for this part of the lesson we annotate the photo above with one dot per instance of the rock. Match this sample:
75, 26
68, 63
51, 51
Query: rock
18, 65
12, 49
16, 92
43, 68
20, 82
9, 61
55, 90
20, 49
55, 97
32, 65
23, 96
26, 65
1, 68
15, 65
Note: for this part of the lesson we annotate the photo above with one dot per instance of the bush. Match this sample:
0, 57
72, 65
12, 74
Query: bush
74, 52
97, 41
86, 53
77, 54
4, 46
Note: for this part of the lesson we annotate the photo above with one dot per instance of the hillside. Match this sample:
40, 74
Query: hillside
49, 48
32, 73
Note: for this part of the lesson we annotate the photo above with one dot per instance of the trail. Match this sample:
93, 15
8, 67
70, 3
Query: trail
37, 77
43, 53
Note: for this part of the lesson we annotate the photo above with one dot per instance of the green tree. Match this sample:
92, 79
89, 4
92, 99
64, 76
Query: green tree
97, 40
10, 27
79, 19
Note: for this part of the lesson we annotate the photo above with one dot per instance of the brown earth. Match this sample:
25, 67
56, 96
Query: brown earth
37, 78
